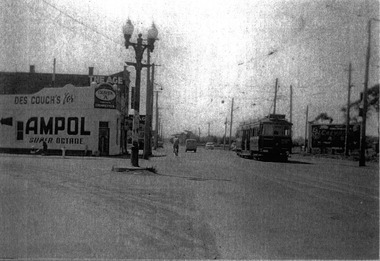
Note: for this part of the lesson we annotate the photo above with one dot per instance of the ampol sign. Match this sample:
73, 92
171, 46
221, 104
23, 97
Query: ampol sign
105, 97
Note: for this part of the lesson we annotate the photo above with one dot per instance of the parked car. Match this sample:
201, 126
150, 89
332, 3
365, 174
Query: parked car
191, 144
209, 146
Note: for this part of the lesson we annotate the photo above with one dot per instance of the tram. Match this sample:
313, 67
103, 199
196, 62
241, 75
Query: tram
268, 137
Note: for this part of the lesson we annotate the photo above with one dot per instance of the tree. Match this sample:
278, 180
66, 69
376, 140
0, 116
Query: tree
373, 98
373, 103
322, 117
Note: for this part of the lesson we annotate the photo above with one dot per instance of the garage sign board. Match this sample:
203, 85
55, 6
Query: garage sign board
333, 135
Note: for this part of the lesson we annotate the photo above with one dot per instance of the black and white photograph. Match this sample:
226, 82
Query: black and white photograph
189, 129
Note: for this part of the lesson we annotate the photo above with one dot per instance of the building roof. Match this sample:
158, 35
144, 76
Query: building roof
32, 82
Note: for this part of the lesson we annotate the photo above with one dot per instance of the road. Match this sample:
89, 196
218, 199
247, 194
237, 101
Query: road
204, 205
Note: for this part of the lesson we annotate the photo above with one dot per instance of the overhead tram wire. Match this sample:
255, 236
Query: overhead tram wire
81, 23
119, 46
55, 21
75, 20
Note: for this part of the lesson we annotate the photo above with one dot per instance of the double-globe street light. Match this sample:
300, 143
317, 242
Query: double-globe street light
139, 48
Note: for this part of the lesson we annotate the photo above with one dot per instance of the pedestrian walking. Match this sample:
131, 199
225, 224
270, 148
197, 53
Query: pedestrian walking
175, 145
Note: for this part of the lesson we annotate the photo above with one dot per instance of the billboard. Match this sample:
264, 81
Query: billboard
333, 135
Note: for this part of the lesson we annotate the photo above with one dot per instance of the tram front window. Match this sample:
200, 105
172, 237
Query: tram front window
267, 130
287, 131
275, 130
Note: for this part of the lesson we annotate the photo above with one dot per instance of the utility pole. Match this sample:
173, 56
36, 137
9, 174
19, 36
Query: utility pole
208, 129
225, 133
199, 133
156, 128
232, 116
151, 94
365, 102
307, 119
275, 97
53, 77
147, 110
156, 133
346, 138
291, 109
126, 77
161, 129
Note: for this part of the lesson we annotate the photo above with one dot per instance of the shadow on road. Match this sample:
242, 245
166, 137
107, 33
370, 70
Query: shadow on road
297, 162
287, 162
192, 178
140, 172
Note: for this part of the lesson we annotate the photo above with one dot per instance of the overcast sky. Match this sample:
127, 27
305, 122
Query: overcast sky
209, 52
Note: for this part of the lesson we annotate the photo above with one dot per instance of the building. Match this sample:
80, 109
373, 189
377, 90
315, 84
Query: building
82, 120
32, 81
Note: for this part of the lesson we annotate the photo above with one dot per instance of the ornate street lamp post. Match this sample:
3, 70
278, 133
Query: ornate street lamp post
139, 48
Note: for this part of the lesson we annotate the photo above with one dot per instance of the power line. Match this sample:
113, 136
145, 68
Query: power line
79, 22
54, 20
75, 30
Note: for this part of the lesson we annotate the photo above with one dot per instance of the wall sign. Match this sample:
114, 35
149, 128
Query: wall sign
66, 98
105, 96
106, 79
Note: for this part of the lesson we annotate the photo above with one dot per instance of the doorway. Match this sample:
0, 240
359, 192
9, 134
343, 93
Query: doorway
104, 138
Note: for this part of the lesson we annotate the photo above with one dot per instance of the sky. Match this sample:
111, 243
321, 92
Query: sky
208, 53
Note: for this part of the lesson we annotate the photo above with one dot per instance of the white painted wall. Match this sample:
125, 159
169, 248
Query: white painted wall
73, 104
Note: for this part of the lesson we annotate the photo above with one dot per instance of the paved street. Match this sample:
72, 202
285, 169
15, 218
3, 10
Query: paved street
204, 205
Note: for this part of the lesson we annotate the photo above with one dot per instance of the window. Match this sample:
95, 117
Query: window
287, 131
103, 124
267, 130
256, 131
276, 130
